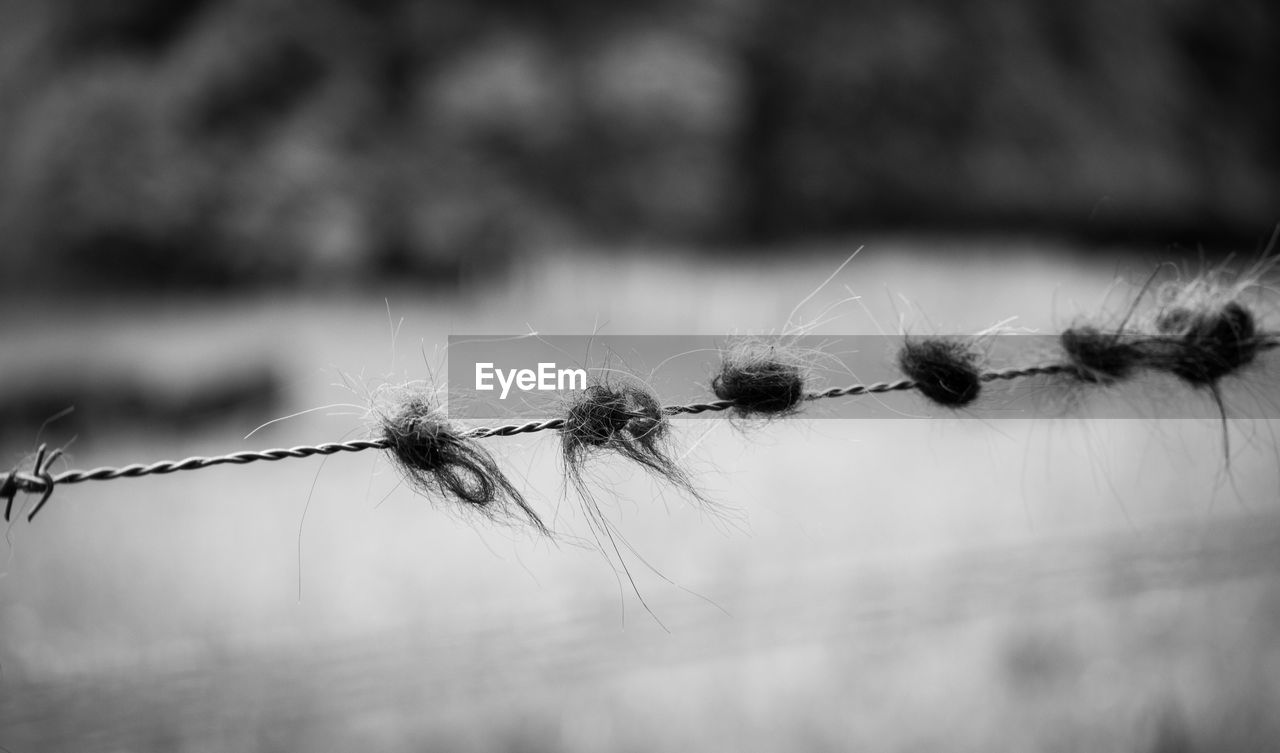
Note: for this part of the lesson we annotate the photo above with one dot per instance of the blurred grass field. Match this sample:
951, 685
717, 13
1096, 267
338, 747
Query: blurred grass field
1038, 585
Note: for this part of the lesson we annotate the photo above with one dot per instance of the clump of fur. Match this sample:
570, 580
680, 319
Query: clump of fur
1203, 331
761, 379
625, 418
1208, 342
1199, 331
1100, 357
438, 459
1209, 331
944, 370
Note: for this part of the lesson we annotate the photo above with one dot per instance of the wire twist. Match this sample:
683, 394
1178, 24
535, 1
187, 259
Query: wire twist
512, 430
854, 390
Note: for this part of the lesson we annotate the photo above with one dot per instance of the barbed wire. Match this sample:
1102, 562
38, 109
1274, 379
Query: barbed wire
1205, 347
40, 481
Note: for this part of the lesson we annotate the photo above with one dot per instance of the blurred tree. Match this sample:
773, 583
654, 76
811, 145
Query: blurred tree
128, 26
220, 141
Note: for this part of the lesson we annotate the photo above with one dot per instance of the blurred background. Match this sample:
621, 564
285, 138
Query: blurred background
213, 143
214, 214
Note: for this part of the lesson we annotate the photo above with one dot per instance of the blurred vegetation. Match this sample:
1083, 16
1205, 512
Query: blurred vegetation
216, 142
74, 403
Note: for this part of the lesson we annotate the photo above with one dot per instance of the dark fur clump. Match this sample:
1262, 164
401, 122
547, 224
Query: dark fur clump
944, 370
1100, 357
760, 380
625, 418
435, 458
1208, 344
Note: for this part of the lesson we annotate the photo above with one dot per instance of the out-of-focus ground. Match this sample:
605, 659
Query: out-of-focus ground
890, 585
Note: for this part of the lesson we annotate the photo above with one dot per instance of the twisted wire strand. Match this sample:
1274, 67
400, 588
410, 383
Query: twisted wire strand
854, 390
514, 429
33, 482
41, 481
695, 408
1027, 371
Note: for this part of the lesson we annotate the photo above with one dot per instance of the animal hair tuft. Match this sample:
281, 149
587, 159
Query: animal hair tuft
1100, 357
1209, 342
438, 459
762, 379
625, 417
945, 370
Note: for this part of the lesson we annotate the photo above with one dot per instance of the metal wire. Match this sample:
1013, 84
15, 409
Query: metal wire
39, 480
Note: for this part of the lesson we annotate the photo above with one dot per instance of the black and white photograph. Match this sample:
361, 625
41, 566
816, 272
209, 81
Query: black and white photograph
718, 375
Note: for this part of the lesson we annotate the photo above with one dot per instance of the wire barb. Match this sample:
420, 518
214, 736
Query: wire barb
38, 480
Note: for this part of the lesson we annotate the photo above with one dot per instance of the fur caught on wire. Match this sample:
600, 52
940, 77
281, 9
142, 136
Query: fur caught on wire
623, 417
1200, 332
442, 461
761, 378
